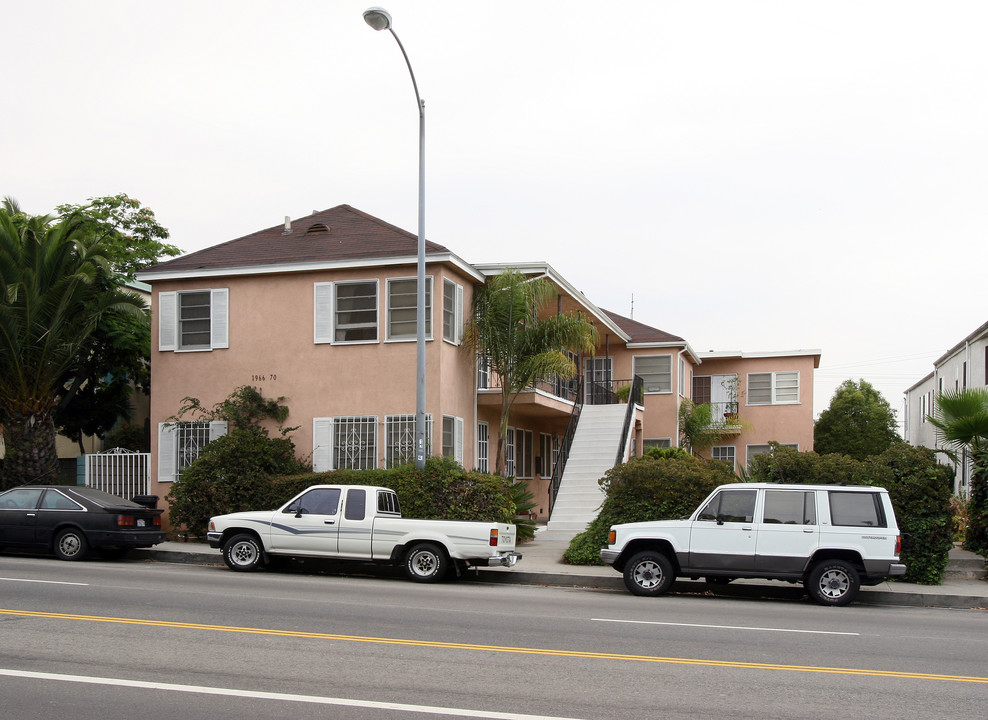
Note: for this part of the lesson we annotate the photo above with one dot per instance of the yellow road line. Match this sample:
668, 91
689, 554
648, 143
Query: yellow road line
498, 648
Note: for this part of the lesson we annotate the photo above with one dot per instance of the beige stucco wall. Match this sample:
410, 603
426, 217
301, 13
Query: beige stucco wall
271, 346
782, 423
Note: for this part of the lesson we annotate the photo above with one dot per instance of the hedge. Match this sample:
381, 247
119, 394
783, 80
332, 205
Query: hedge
920, 490
248, 471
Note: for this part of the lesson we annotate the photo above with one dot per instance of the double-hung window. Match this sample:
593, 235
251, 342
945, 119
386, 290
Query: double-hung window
179, 445
402, 297
483, 446
547, 457
194, 319
724, 453
655, 371
399, 439
483, 372
524, 445
452, 312
773, 388
453, 438
355, 312
344, 443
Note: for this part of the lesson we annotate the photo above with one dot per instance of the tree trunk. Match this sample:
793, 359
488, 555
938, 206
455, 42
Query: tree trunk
30, 455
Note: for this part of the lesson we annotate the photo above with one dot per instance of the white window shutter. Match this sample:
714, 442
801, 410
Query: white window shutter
167, 452
458, 315
167, 320
217, 429
458, 440
323, 312
219, 311
322, 444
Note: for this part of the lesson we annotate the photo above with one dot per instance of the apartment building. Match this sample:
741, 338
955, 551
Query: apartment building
963, 366
321, 311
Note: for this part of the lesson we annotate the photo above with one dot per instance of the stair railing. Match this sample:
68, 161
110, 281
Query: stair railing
635, 397
564, 448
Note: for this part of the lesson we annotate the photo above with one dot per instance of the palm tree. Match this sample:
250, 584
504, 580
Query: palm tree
50, 302
520, 342
961, 420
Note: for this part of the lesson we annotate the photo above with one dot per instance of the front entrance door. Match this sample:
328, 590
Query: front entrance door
599, 380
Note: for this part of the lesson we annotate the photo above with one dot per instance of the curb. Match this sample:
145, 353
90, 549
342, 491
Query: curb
787, 591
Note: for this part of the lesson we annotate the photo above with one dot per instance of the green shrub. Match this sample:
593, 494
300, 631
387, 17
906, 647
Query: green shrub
921, 490
918, 486
222, 481
232, 473
523, 500
442, 491
669, 486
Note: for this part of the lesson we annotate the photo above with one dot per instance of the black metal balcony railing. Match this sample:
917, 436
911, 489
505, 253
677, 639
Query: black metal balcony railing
726, 411
615, 392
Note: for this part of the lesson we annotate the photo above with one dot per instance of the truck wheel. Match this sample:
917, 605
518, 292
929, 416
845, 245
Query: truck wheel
243, 553
425, 562
70, 544
833, 582
648, 573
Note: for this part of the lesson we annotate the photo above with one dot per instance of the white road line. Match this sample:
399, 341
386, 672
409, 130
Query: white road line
47, 582
283, 697
726, 627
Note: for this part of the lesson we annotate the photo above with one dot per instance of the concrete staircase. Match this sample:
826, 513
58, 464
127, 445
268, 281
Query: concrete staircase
594, 449
964, 565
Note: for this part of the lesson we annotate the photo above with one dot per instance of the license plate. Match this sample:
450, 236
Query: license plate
142, 523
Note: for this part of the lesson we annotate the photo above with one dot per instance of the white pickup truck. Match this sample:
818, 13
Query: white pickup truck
831, 538
363, 523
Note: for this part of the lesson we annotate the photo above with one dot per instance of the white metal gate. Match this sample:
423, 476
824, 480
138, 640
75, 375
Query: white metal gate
120, 472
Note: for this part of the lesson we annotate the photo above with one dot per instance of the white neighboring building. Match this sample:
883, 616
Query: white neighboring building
963, 366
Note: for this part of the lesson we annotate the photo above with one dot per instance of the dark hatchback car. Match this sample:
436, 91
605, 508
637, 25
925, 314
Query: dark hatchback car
69, 520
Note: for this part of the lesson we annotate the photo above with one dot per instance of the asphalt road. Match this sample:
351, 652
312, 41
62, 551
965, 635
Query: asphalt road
131, 639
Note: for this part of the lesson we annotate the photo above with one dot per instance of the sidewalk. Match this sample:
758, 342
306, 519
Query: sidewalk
542, 564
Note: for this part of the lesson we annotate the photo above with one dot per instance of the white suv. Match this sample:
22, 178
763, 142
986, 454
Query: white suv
832, 538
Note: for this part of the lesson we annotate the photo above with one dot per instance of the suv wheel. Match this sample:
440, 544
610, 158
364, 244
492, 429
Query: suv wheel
648, 573
833, 582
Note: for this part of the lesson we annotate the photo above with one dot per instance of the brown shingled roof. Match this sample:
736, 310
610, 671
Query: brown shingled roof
339, 234
640, 333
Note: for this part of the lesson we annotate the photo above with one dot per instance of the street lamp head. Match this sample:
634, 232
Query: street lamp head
378, 18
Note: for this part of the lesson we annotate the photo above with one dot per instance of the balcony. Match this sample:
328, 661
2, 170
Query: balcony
725, 416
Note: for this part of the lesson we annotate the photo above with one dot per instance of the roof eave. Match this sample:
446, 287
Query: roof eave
548, 271
276, 268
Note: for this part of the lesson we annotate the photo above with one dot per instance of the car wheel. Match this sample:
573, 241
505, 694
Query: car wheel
833, 582
425, 562
243, 553
70, 544
648, 573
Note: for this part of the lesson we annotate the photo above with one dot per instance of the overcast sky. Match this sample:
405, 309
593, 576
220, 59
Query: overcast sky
751, 176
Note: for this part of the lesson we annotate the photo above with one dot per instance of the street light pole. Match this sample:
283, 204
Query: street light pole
380, 19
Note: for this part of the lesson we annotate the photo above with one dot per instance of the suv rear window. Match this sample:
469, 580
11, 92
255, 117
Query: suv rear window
854, 509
